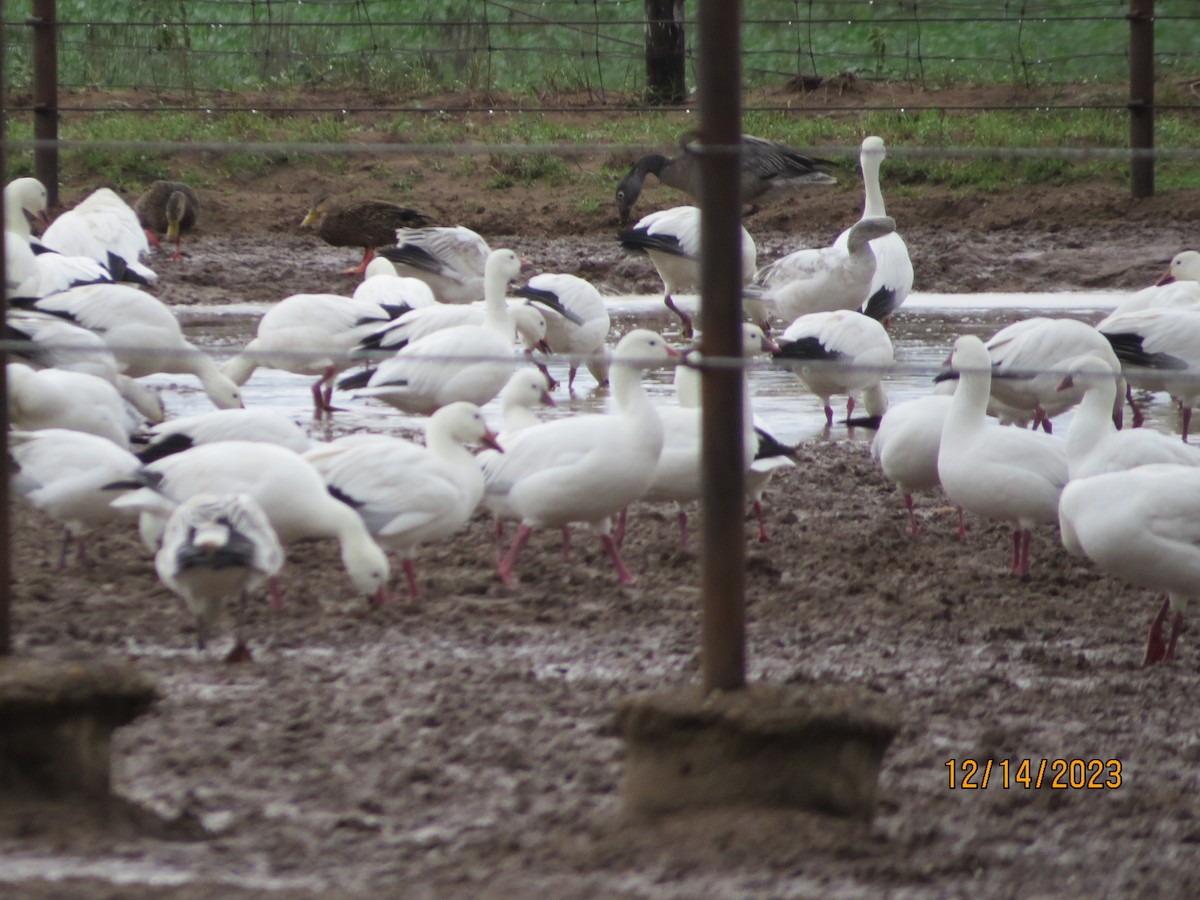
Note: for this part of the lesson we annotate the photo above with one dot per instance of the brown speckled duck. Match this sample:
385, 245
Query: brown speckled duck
169, 208
360, 223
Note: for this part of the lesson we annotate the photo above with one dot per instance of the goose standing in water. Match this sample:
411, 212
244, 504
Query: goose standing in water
215, 547
671, 238
584, 468
839, 352
466, 362
893, 278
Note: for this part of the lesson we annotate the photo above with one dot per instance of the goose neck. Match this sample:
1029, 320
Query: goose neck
873, 202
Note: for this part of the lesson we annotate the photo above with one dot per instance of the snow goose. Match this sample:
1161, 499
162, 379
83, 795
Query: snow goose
1178, 287
67, 474
102, 226
289, 489
382, 284
451, 260
577, 321
1159, 350
1140, 525
142, 333
309, 334
585, 468
821, 279
34, 270
839, 352
56, 398
407, 494
177, 435
1001, 473
1094, 445
466, 362
768, 170
169, 208
45, 341
365, 224
218, 546
906, 447
678, 474
1031, 356
671, 238
893, 277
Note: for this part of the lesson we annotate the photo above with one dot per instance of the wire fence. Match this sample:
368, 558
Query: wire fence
598, 46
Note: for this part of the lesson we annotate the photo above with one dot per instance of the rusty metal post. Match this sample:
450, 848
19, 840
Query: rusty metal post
1141, 96
45, 95
5, 546
723, 654
666, 48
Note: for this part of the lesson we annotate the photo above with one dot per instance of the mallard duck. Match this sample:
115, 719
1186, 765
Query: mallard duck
360, 223
169, 208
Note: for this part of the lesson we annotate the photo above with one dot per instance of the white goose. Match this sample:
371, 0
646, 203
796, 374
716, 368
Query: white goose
1141, 526
55, 398
34, 270
309, 334
671, 238
466, 362
585, 468
1159, 350
218, 546
577, 321
1179, 286
1029, 359
1001, 473
839, 352
142, 333
67, 474
822, 279
51, 342
451, 260
288, 488
678, 477
906, 448
263, 425
1094, 445
407, 494
893, 278
383, 285
101, 226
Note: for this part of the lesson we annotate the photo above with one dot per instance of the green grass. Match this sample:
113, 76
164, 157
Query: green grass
410, 48
911, 135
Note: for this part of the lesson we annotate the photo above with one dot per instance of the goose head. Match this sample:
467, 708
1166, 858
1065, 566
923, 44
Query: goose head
643, 349
527, 388
25, 200
866, 230
1184, 267
461, 423
531, 327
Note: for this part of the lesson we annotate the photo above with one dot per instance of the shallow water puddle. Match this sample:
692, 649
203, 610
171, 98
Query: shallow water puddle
923, 332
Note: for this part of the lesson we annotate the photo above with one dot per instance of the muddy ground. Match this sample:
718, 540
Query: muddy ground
464, 746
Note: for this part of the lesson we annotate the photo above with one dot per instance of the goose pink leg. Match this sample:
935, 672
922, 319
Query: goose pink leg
912, 516
1156, 645
623, 574
505, 569
763, 538
410, 574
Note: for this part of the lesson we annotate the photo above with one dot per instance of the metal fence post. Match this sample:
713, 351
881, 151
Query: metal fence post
723, 654
665, 52
45, 95
1141, 96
